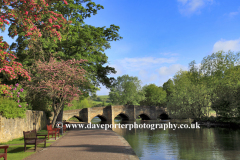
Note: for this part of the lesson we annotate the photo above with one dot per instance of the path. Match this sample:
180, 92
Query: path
87, 144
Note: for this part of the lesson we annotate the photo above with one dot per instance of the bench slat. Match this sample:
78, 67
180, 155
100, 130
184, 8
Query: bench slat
30, 138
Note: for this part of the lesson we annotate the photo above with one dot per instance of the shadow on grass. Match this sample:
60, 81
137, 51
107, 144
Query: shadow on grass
20, 148
17, 152
16, 149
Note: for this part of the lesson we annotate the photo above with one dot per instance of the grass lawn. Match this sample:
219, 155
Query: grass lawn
73, 119
15, 150
104, 98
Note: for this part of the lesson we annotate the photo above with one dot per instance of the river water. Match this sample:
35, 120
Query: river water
185, 144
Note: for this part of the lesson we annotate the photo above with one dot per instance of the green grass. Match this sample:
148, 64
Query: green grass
16, 152
16, 147
73, 119
105, 98
97, 102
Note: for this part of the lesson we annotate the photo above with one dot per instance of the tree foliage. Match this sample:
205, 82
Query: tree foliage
227, 103
188, 99
58, 81
24, 15
79, 41
155, 96
168, 87
220, 71
215, 84
126, 91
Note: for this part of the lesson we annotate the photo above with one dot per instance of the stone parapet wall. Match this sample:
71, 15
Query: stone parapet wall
12, 128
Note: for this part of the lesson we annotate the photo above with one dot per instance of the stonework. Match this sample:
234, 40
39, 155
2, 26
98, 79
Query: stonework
110, 112
13, 128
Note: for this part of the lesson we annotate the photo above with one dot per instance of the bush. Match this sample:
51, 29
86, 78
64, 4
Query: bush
85, 103
99, 99
10, 108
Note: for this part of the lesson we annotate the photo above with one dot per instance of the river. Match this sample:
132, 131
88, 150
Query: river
185, 144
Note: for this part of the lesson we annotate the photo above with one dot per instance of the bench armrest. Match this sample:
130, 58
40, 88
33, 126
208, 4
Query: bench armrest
52, 131
56, 129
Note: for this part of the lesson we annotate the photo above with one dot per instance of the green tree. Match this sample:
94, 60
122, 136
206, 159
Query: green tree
80, 41
220, 72
227, 103
188, 99
126, 91
155, 96
168, 87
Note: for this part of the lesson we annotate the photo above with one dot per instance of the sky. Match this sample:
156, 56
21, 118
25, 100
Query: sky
160, 37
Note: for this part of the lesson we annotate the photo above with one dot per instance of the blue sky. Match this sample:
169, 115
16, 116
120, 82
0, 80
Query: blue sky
160, 37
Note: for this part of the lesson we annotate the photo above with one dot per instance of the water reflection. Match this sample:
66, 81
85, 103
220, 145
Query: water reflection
204, 143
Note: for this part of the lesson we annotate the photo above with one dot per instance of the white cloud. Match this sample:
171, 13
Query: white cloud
171, 54
233, 45
164, 71
146, 69
188, 7
146, 62
153, 77
143, 73
231, 14
147, 77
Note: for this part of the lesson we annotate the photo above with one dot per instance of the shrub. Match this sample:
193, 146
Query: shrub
79, 104
9, 108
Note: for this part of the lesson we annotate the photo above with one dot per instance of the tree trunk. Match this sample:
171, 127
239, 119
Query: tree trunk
56, 112
59, 119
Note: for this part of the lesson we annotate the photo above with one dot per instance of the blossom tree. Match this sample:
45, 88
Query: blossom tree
9, 68
59, 80
25, 14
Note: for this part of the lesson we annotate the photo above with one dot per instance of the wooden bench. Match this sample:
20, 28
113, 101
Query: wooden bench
64, 128
53, 131
30, 138
4, 155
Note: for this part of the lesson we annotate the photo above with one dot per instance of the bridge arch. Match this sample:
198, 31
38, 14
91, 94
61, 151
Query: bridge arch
163, 116
130, 112
103, 118
80, 120
144, 116
123, 116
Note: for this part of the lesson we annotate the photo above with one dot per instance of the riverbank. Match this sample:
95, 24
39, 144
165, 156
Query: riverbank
218, 124
88, 144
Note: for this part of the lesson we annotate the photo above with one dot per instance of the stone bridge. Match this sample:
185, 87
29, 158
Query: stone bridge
126, 112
